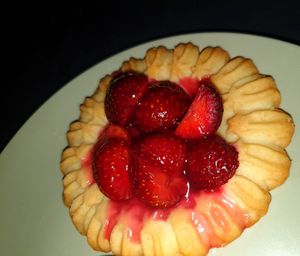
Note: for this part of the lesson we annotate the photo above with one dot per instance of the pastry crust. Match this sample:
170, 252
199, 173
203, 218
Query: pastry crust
252, 121
266, 166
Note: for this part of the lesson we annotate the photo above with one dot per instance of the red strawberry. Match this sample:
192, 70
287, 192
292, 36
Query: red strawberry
112, 131
132, 130
163, 150
204, 115
189, 85
161, 108
211, 162
157, 173
123, 95
111, 166
156, 189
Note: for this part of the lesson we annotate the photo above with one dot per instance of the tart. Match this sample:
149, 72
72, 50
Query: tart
175, 153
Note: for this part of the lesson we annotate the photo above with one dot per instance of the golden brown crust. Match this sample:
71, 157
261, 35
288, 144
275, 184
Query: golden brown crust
249, 196
266, 166
210, 61
263, 127
184, 228
159, 63
252, 121
234, 71
184, 61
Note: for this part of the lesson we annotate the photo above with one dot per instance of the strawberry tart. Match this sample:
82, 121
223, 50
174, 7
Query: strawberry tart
175, 153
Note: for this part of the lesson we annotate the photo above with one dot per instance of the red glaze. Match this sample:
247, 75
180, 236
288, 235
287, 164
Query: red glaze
87, 163
133, 214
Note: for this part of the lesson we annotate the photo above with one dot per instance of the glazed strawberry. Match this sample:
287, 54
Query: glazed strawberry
123, 95
112, 131
156, 189
111, 166
211, 162
157, 173
189, 85
163, 150
204, 115
161, 108
133, 130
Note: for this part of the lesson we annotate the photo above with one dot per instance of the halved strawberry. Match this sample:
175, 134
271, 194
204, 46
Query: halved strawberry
111, 166
157, 171
189, 85
204, 115
162, 107
123, 95
211, 162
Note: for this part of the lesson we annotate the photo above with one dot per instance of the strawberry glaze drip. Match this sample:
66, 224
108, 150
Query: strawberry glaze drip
86, 163
209, 214
132, 214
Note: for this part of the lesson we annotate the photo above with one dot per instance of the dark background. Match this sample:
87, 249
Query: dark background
47, 45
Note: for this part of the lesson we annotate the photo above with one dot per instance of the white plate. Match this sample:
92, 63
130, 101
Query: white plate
33, 219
